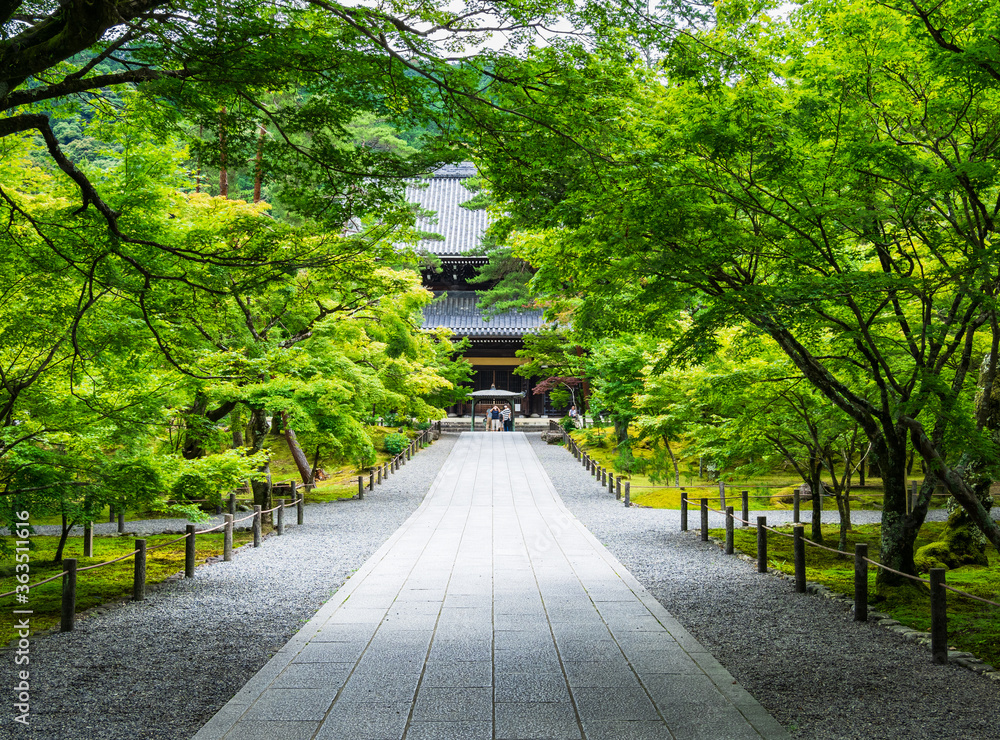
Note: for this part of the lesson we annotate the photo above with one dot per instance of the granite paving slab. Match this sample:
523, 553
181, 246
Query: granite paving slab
492, 613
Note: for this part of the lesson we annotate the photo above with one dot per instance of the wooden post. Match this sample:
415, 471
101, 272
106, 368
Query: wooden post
611, 483
730, 545
796, 505
121, 520
378, 475
684, 510
281, 516
761, 544
628, 496
300, 509
722, 495
745, 500
860, 582
799, 547
139, 573
618, 490
371, 480
68, 616
361, 487
227, 539
704, 520
232, 504
189, 544
256, 525
88, 540
939, 616
295, 497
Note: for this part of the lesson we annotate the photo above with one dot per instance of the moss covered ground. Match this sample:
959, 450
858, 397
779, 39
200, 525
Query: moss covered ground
100, 585
972, 626
777, 486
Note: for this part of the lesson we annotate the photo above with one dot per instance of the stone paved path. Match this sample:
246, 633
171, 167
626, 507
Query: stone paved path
492, 613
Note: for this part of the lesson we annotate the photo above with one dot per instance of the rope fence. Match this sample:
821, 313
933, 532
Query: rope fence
70, 569
936, 582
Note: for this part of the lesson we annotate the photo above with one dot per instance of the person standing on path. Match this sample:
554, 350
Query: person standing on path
506, 416
494, 419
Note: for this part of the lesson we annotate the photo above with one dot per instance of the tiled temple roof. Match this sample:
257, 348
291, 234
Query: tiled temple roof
443, 193
458, 312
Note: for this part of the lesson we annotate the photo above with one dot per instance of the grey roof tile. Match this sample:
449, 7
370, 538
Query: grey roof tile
458, 312
443, 193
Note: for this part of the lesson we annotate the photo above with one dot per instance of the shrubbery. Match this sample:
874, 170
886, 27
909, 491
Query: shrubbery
395, 443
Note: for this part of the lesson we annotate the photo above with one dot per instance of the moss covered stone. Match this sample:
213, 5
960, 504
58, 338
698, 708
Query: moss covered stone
959, 545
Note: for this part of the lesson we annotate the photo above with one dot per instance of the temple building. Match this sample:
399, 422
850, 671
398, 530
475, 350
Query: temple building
495, 340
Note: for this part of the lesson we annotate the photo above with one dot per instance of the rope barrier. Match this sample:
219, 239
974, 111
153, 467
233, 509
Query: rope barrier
834, 550
164, 544
867, 560
893, 570
32, 585
106, 562
970, 596
153, 547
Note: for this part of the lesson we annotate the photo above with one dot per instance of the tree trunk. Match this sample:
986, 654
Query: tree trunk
197, 177
223, 156
816, 474
844, 511
677, 474
199, 419
899, 529
236, 426
301, 461
257, 167
621, 431
63, 536
257, 431
315, 465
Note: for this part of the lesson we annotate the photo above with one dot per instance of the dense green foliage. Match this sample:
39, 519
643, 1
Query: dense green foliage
824, 185
760, 236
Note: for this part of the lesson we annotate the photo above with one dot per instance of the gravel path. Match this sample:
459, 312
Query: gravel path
162, 667
820, 674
